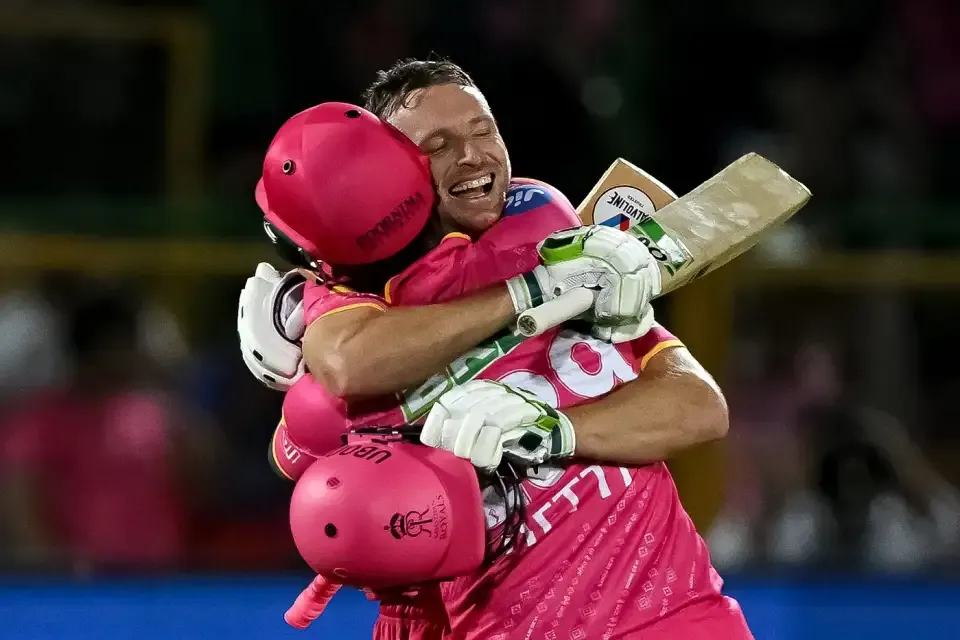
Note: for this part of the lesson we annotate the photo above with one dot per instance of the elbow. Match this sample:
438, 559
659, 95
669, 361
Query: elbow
340, 361
332, 371
337, 378
711, 417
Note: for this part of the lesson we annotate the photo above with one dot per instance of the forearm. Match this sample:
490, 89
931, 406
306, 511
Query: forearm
402, 346
654, 417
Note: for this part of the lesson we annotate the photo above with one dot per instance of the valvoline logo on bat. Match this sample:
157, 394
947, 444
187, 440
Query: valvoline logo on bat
525, 197
622, 207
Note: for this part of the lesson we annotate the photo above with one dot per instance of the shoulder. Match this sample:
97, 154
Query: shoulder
322, 300
527, 194
437, 276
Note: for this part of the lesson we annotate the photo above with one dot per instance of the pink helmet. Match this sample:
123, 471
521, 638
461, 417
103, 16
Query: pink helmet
383, 513
344, 186
315, 418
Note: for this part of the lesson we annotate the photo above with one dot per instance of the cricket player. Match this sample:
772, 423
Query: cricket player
627, 516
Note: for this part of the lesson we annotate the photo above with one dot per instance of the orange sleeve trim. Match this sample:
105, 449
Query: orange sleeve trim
456, 234
273, 451
339, 288
386, 289
660, 346
348, 307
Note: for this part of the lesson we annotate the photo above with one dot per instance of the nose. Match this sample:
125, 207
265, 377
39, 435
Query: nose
469, 155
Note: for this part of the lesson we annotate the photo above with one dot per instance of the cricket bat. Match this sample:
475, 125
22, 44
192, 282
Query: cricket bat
689, 237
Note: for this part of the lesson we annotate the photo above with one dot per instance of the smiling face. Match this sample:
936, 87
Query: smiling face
453, 125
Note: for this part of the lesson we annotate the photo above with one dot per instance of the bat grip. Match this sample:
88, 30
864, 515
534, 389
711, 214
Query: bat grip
567, 306
310, 603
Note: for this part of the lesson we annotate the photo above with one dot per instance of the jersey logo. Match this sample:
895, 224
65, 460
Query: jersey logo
525, 197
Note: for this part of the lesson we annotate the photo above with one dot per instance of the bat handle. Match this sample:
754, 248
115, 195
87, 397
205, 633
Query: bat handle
567, 306
310, 603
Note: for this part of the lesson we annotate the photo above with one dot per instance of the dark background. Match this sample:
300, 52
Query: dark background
132, 136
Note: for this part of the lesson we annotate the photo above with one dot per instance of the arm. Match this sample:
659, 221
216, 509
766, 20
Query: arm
674, 404
364, 351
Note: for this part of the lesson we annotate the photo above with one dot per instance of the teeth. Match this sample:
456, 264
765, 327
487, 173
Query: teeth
471, 184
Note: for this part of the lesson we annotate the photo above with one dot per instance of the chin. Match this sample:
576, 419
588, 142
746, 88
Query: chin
475, 222
488, 219
472, 219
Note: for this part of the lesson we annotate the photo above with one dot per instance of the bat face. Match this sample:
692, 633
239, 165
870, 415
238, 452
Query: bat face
705, 229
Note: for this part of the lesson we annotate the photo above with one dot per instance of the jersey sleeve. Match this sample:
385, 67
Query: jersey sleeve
438, 276
320, 301
650, 344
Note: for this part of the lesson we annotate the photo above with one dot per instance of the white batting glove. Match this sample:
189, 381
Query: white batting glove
625, 331
613, 263
270, 324
484, 421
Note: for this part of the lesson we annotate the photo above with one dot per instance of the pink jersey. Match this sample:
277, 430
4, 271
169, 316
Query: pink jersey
609, 551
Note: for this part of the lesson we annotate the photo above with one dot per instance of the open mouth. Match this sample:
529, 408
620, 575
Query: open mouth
474, 188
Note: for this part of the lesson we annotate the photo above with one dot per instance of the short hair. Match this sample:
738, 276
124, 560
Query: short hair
393, 86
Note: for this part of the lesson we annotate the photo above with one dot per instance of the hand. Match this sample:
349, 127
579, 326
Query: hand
270, 324
613, 263
484, 421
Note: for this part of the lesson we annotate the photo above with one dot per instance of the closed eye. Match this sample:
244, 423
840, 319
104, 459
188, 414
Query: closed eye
433, 146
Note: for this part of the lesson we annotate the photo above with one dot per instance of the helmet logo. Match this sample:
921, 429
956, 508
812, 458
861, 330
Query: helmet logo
409, 524
391, 223
413, 523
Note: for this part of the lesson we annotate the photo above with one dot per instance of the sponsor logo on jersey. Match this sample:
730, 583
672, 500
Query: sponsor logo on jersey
525, 197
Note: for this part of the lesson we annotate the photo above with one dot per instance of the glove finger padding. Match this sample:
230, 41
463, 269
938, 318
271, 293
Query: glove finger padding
487, 450
265, 271
511, 410
461, 400
465, 433
623, 251
432, 431
624, 300
625, 332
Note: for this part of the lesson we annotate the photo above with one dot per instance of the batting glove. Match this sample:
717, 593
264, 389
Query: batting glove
484, 422
270, 324
625, 331
613, 263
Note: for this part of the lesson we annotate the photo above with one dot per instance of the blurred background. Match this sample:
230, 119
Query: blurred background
135, 496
